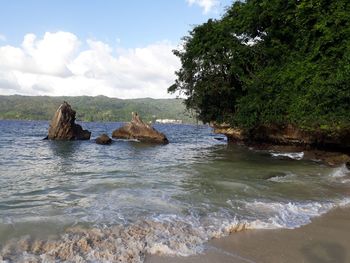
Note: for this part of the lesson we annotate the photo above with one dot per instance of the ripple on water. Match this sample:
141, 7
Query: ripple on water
129, 199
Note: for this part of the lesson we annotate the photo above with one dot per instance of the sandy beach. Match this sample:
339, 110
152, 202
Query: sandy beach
325, 240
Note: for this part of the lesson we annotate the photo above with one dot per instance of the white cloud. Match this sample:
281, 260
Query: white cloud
207, 5
2, 37
56, 65
49, 55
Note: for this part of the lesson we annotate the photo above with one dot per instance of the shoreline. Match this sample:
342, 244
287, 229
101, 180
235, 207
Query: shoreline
325, 239
332, 150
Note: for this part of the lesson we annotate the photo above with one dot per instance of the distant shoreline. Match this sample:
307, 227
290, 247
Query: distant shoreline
99, 108
157, 123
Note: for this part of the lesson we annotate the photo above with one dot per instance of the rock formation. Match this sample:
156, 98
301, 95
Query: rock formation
103, 139
63, 126
333, 151
286, 135
232, 134
137, 129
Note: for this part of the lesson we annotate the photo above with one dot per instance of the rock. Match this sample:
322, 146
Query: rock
63, 126
137, 129
103, 139
289, 135
233, 134
335, 159
347, 164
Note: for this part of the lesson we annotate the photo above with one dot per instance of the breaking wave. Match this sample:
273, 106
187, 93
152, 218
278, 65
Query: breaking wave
290, 155
340, 175
290, 215
288, 177
164, 234
340, 172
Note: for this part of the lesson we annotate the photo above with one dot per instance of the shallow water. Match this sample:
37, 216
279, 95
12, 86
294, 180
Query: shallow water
131, 198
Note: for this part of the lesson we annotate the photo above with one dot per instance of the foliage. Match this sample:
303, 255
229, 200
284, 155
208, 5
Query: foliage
270, 62
98, 108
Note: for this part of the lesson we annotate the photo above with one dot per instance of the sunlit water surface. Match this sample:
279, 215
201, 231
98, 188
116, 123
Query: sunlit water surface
184, 193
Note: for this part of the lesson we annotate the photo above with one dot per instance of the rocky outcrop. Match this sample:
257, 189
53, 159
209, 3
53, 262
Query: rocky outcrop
137, 129
63, 126
286, 135
332, 150
232, 134
103, 139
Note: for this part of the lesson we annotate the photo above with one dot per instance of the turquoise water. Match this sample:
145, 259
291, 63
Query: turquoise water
172, 198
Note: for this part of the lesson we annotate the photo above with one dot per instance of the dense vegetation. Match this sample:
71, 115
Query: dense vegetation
98, 108
271, 62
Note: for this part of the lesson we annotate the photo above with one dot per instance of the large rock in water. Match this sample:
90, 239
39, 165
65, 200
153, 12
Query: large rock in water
63, 126
137, 129
103, 139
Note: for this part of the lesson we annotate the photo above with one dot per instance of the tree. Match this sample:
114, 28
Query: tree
270, 62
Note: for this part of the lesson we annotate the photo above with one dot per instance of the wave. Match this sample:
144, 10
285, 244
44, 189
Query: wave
288, 177
110, 244
163, 234
340, 175
290, 155
340, 172
289, 215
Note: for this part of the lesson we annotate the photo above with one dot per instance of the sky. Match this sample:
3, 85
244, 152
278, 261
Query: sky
116, 48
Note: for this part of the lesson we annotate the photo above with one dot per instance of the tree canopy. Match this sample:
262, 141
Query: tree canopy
270, 62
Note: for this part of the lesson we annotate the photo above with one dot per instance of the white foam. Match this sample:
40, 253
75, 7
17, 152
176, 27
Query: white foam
163, 234
345, 202
289, 215
340, 175
288, 177
128, 140
341, 171
291, 155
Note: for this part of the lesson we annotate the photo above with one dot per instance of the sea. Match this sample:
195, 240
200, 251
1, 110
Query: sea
77, 201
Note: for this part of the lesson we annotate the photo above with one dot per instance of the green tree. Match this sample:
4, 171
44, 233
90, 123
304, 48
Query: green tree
214, 65
270, 62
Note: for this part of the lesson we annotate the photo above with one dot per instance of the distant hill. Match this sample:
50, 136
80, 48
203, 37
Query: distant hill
98, 108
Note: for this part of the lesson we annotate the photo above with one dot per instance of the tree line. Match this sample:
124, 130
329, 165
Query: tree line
98, 108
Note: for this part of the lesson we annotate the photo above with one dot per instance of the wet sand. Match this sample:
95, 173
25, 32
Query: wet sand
325, 240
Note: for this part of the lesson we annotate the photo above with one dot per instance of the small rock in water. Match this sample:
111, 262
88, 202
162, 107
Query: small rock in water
137, 129
103, 139
63, 126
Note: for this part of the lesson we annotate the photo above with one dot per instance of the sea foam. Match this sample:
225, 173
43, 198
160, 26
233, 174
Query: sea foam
288, 177
290, 155
340, 175
164, 234
341, 171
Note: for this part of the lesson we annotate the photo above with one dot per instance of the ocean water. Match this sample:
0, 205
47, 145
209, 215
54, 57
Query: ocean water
82, 202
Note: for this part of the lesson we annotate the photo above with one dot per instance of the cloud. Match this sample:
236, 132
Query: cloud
3, 38
207, 5
57, 65
49, 55
8, 83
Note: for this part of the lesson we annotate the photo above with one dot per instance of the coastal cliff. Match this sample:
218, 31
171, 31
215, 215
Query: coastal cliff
287, 135
333, 150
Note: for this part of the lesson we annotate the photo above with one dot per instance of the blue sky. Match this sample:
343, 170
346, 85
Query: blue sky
134, 22
47, 47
